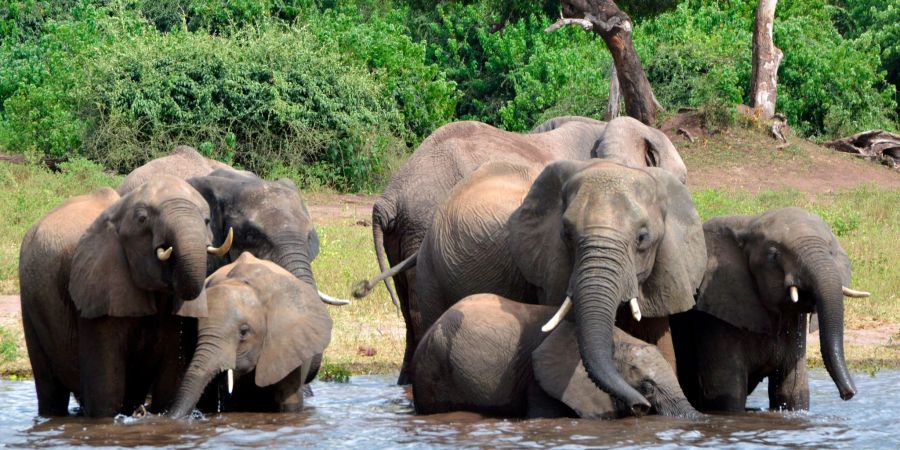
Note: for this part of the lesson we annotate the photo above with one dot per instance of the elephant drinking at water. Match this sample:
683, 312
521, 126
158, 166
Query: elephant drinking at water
102, 277
489, 355
584, 235
267, 329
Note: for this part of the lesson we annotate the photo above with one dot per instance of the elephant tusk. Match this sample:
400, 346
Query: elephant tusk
164, 255
230, 381
223, 249
795, 296
558, 317
329, 300
853, 293
635, 309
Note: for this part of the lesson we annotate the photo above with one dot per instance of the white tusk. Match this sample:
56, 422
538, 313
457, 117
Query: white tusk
230, 381
329, 300
558, 317
795, 296
164, 255
223, 249
854, 294
635, 309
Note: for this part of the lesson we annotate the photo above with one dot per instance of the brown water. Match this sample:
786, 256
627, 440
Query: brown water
371, 412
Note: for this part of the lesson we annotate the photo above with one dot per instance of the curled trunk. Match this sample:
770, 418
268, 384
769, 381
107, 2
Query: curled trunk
600, 277
189, 242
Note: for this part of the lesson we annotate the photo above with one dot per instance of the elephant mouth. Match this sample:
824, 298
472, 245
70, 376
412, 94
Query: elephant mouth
799, 300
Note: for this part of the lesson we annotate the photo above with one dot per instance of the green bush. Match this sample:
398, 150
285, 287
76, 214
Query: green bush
257, 98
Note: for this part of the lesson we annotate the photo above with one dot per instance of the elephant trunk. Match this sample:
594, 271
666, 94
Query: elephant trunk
189, 241
597, 293
829, 298
213, 355
294, 257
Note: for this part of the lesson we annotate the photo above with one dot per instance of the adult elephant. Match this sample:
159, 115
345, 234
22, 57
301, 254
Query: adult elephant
591, 234
403, 213
269, 219
489, 355
266, 328
101, 277
184, 162
765, 275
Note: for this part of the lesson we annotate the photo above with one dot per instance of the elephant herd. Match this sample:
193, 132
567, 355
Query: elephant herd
562, 272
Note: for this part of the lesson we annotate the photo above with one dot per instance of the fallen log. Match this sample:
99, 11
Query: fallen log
873, 145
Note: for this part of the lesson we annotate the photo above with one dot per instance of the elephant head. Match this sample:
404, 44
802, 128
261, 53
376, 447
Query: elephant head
558, 370
154, 239
262, 320
269, 219
628, 141
785, 261
601, 234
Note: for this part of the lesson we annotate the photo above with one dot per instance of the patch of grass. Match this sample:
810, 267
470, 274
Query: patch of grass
347, 256
27, 193
9, 349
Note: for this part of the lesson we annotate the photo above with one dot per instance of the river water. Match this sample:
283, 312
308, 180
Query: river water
371, 412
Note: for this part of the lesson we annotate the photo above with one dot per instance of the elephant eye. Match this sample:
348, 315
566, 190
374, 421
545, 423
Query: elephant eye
772, 255
140, 215
643, 238
245, 330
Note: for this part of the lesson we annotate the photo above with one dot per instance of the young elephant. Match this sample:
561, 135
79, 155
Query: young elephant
265, 327
488, 354
765, 275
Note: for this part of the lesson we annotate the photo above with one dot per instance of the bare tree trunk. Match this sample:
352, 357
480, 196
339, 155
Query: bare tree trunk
766, 59
614, 26
612, 106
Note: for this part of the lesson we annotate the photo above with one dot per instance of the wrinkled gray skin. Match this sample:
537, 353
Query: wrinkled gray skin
745, 326
403, 213
267, 326
98, 304
184, 162
596, 231
269, 219
488, 355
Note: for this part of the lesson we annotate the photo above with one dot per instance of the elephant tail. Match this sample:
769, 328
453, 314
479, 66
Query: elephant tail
364, 287
378, 236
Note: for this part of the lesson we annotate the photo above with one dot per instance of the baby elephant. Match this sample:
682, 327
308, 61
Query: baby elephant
489, 355
265, 327
765, 275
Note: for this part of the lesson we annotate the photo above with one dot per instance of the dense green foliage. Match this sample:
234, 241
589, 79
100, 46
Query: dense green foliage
333, 92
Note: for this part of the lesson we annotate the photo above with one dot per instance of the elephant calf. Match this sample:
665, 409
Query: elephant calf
765, 275
488, 354
267, 328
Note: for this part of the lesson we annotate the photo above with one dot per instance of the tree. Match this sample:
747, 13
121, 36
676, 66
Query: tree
766, 59
614, 27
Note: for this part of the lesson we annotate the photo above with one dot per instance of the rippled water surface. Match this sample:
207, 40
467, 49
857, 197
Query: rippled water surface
372, 412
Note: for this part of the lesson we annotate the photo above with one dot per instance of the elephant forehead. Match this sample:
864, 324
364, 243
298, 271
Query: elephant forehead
166, 187
790, 224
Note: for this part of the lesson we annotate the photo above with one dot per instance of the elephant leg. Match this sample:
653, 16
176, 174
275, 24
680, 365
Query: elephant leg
103, 360
789, 388
53, 396
723, 374
172, 362
403, 287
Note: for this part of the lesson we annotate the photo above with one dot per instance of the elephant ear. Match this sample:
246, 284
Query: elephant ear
298, 329
536, 232
313, 240
681, 255
559, 372
100, 281
728, 291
